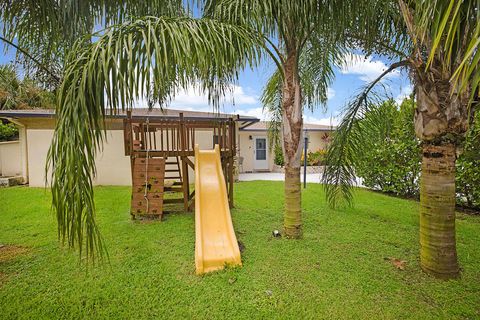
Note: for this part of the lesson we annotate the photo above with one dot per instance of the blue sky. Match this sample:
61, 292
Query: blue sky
349, 80
246, 93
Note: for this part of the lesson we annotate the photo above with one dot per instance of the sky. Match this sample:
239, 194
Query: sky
349, 79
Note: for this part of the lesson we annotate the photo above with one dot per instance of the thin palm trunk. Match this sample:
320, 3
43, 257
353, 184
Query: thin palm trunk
438, 254
292, 131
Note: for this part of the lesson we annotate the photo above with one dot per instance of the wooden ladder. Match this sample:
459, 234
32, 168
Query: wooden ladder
173, 172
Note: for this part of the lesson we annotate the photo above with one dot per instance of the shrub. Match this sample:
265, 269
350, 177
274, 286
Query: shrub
278, 160
468, 182
393, 164
8, 131
468, 168
316, 158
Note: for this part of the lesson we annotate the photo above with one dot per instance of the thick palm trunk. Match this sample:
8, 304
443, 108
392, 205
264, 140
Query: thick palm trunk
440, 122
438, 254
292, 134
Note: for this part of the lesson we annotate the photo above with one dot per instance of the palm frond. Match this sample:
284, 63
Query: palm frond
111, 73
351, 140
18, 93
450, 30
294, 22
316, 65
45, 30
378, 28
272, 104
30, 21
317, 69
272, 17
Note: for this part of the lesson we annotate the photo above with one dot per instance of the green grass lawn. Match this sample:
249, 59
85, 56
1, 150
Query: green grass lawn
340, 269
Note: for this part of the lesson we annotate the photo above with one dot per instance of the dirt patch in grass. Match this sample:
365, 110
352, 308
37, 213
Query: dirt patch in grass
9, 252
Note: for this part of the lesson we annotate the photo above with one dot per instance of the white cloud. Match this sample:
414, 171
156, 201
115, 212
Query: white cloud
404, 93
259, 113
332, 121
330, 93
365, 67
192, 97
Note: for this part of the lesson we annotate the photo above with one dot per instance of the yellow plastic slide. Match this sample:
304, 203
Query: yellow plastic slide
215, 241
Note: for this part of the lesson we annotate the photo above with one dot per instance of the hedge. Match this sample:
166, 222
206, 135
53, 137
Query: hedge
393, 165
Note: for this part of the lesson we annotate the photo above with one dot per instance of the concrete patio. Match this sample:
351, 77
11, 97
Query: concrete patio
276, 176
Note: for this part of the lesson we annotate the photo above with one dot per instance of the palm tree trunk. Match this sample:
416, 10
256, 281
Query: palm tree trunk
438, 255
440, 122
292, 148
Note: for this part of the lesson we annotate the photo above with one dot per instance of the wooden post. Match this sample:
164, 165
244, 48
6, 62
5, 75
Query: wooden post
185, 184
231, 153
223, 140
127, 134
143, 137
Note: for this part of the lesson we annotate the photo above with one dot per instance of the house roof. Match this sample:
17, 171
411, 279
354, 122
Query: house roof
246, 123
166, 113
263, 126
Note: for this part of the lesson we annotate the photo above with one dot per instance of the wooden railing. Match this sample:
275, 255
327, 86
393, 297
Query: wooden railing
175, 137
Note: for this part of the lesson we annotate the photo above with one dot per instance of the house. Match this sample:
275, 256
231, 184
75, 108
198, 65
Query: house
27, 156
255, 152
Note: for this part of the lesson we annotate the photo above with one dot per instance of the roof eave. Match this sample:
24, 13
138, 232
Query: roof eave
50, 115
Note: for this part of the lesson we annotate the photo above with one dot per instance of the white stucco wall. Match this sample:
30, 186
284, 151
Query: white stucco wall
113, 167
38, 142
317, 140
10, 158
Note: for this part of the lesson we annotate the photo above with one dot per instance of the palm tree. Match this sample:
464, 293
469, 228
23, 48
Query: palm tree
442, 53
16, 93
153, 55
306, 39
160, 54
156, 54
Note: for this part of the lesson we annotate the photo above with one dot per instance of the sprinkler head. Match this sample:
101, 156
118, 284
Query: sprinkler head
276, 234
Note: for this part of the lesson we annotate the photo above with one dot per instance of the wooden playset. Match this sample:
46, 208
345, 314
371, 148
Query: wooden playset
161, 149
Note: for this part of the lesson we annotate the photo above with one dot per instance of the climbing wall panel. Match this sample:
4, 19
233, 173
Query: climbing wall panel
147, 187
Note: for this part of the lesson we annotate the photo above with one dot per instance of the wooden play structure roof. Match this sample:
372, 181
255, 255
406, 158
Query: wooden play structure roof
156, 113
